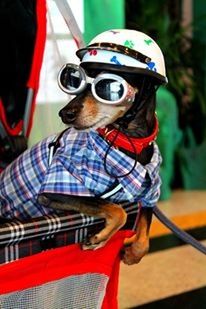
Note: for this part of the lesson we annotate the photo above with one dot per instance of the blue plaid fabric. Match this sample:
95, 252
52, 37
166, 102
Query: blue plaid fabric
77, 168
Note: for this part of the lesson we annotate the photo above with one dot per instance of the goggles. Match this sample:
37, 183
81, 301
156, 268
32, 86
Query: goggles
105, 87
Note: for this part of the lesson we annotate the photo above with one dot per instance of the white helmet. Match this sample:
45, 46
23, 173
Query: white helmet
134, 51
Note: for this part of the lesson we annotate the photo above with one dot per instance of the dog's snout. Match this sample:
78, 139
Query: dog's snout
68, 116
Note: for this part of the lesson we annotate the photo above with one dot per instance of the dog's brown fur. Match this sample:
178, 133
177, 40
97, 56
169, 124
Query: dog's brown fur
84, 112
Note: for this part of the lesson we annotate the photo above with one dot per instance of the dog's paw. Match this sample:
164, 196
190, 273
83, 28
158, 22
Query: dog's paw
93, 243
134, 253
43, 200
90, 246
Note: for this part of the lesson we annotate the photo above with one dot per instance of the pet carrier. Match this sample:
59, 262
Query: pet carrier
41, 264
39, 269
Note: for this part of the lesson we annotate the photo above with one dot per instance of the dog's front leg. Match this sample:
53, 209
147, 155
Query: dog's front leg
114, 215
137, 246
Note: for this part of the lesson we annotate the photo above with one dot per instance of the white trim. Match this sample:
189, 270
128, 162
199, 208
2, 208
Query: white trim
113, 191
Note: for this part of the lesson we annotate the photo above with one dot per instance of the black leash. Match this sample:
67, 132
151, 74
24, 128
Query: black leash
179, 232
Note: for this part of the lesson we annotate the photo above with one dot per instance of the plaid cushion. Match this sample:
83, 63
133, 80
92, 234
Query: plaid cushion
20, 239
77, 168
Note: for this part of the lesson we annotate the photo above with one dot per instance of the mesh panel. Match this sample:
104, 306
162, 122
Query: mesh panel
75, 292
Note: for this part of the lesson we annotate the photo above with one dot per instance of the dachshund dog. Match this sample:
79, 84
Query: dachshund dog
108, 153
117, 136
85, 112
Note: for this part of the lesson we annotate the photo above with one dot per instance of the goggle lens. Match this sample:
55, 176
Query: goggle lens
70, 79
109, 90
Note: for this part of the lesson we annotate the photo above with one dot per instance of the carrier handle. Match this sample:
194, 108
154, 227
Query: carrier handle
70, 20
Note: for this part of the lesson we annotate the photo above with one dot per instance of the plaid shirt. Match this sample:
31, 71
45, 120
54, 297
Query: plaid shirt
77, 168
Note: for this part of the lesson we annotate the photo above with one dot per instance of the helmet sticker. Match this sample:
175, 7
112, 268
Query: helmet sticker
151, 66
129, 43
115, 60
148, 42
93, 52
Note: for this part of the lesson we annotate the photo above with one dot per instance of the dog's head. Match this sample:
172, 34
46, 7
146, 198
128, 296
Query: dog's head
101, 98
108, 98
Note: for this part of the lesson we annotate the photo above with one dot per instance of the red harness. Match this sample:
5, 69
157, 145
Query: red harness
135, 145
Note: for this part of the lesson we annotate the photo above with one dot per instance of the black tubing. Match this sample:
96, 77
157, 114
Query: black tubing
179, 232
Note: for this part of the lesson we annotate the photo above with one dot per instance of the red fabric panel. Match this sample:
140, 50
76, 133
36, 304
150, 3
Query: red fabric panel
33, 81
62, 262
110, 299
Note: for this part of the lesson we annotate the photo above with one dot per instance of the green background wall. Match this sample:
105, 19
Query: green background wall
102, 15
199, 17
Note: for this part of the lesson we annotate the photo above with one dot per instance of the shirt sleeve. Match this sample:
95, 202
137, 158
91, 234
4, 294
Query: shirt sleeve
151, 197
152, 194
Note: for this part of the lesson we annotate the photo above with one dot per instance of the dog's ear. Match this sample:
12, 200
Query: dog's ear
150, 111
148, 94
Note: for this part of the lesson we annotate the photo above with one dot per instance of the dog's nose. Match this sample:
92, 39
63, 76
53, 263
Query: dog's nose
68, 116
